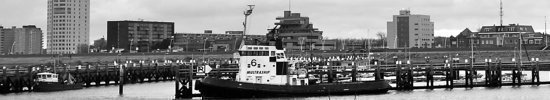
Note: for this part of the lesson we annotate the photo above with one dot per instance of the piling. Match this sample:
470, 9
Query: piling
121, 80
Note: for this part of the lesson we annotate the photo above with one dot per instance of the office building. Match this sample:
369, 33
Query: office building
410, 31
27, 40
6, 40
141, 36
68, 27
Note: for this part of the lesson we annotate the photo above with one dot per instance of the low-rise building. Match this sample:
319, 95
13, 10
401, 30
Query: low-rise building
141, 36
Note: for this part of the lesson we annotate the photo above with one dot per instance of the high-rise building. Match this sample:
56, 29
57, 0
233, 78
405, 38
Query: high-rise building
68, 28
6, 40
142, 36
410, 31
297, 33
27, 40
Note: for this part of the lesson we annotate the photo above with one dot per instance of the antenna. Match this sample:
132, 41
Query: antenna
501, 13
289, 5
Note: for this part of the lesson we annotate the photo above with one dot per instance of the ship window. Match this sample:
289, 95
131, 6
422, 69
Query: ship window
255, 48
272, 53
49, 76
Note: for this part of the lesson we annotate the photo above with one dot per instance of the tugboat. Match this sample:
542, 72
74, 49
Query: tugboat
264, 71
47, 81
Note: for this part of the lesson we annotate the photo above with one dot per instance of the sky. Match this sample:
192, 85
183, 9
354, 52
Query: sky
337, 18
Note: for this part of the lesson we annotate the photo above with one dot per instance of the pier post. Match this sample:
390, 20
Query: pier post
499, 73
97, 76
377, 72
177, 76
535, 72
398, 77
330, 77
354, 73
87, 80
429, 74
410, 78
121, 80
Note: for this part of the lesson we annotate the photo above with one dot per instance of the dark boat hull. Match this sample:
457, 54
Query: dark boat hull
47, 87
217, 88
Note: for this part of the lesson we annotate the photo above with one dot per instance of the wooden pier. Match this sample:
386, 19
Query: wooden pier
407, 76
19, 78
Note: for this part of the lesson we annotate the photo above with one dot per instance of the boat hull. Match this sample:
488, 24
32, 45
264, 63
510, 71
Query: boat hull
47, 87
217, 88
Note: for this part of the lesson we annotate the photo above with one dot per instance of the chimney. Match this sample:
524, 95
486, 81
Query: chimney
287, 13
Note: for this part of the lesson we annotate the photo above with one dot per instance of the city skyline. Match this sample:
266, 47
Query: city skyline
354, 18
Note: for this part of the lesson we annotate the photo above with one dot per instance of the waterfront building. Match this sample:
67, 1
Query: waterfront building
297, 33
27, 40
410, 31
6, 40
229, 41
509, 36
465, 39
141, 36
505, 36
68, 27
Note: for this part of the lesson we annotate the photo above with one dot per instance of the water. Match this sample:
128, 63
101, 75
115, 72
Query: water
165, 91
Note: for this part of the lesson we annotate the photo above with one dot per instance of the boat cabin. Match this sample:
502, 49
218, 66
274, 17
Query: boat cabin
47, 77
265, 65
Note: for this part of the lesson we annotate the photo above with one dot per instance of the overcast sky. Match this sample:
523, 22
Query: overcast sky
337, 18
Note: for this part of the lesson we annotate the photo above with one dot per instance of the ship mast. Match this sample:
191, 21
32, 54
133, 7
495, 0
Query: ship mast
246, 14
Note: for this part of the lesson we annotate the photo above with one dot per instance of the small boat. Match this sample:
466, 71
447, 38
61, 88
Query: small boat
47, 81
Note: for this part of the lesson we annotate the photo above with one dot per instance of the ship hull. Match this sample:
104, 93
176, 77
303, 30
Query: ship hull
48, 87
217, 88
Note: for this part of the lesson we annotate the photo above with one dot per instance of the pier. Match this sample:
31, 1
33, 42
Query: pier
405, 76
19, 78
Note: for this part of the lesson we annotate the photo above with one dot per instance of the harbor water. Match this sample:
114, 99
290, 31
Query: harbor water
165, 91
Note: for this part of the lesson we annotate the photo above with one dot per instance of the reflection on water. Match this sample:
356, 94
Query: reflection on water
165, 90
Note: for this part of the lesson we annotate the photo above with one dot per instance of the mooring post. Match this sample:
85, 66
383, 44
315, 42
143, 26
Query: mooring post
190, 79
535, 72
330, 80
398, 77
488, 74
177, 79
376, 71
354, 72
410, 78
121, 80
499, 73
